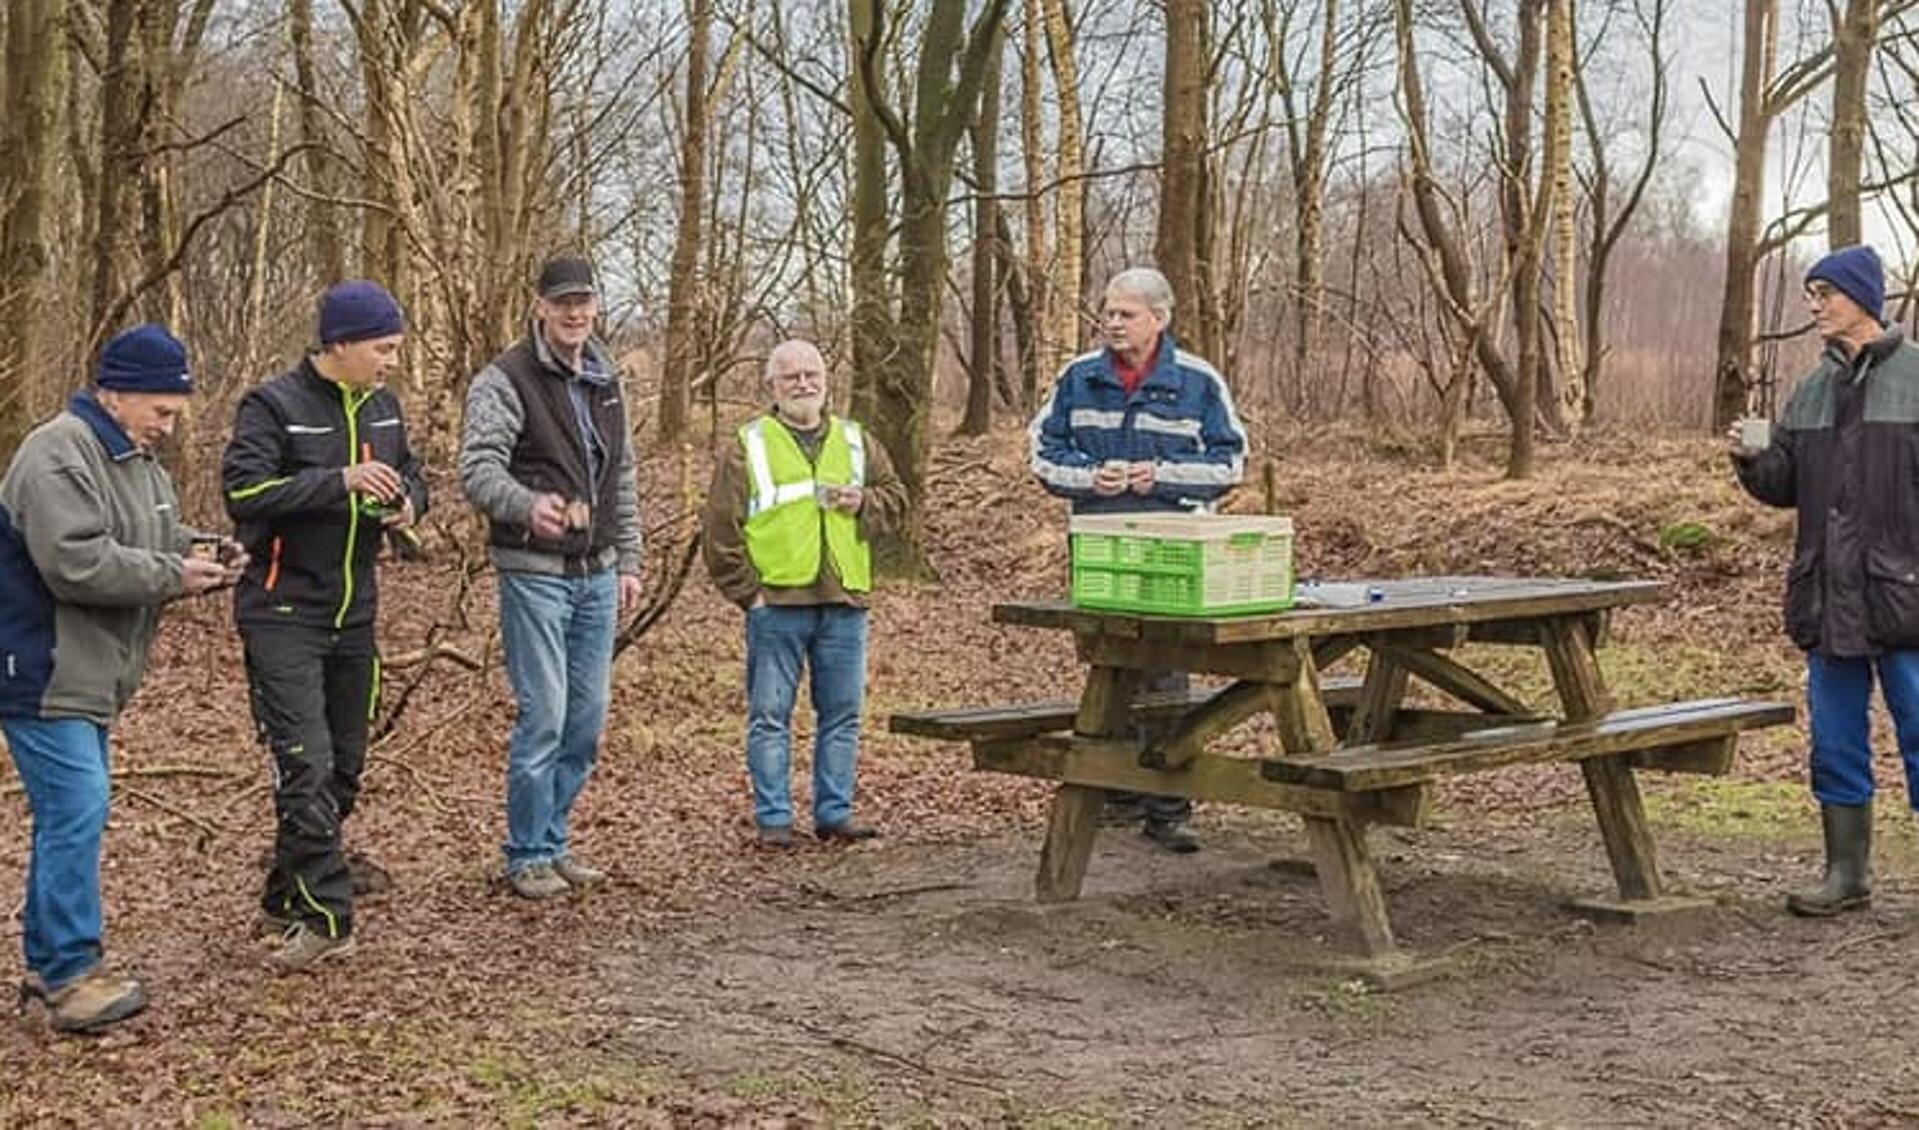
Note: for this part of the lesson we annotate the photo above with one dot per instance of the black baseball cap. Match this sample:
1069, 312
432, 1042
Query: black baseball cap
566, 275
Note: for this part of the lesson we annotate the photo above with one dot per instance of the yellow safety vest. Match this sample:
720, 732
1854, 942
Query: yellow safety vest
786, 526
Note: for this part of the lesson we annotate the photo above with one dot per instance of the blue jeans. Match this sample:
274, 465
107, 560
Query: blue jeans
63, 765
558, 637
1839, 699
831, 640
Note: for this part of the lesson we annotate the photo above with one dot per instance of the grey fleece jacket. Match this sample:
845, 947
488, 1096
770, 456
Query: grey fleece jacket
91, 545
494, 418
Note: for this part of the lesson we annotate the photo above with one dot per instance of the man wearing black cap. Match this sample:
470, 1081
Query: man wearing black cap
91, 546
318, 469
546, 456
1845, 454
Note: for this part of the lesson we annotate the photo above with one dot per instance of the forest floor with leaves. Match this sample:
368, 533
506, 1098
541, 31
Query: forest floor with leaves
912, 980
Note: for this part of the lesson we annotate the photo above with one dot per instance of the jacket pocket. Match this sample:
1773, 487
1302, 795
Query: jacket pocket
1892, 598
1805, 602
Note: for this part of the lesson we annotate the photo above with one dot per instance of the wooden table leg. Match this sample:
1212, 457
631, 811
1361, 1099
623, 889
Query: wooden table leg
1070, 829
1350, 884
1609, 780
1347, 877
1073, 823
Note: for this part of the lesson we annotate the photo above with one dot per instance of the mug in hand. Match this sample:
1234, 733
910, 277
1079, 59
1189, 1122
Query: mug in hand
579, 515
1755, 434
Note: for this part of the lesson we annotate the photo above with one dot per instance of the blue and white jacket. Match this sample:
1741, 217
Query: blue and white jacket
1181, 418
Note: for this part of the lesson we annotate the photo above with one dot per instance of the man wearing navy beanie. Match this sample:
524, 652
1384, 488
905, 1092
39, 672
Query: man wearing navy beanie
317, 472
1845, 454
91, 547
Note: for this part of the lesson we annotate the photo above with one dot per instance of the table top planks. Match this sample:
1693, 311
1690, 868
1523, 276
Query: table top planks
1415, 602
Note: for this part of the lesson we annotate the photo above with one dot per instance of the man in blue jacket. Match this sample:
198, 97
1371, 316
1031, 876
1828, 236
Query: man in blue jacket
1139, 426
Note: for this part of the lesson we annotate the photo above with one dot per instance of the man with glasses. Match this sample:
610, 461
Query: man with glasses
788, 529
546, 456
1137, 427
1845, 455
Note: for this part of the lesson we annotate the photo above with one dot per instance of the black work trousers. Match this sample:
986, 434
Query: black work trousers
313, 692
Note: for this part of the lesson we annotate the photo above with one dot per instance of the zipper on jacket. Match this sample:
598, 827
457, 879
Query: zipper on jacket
352, 408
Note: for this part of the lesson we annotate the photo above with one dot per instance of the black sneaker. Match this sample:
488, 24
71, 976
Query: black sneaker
1171, 836
846, 832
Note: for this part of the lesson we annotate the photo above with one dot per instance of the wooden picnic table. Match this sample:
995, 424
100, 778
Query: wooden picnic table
1354, 752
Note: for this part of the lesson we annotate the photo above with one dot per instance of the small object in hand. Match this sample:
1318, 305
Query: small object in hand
209, 547
1375, 594
371, 507
579, 515
826, 495
1755, 434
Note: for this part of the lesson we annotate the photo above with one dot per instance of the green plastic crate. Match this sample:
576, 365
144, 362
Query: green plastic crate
1182, 564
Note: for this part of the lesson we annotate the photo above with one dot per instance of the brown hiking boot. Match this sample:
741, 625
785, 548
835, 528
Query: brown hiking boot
538, 881
578, 874
88, 1003
776, 837
303, 948
845, 832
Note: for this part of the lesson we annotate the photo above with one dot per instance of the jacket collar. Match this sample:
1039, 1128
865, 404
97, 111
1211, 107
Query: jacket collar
1163, 374
595, 367
1876, 350
120, 446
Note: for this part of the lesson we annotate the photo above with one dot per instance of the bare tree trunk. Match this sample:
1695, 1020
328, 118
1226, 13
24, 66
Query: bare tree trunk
1035, 354
1185, 212
985, 323
683, 305
1558, 172
120, 131
323, 227
1853, 37
29, 133
1307, 131
1608, 227
900, 391
1733, 376
1068, 285
872, 320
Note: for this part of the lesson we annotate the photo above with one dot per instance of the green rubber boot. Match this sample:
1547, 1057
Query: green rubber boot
1848, 882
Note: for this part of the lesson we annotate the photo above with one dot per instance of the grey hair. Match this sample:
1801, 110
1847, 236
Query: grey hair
787, 348
1147, 285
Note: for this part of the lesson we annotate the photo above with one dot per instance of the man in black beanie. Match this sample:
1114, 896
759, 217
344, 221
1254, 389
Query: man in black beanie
1845, 454
91, 547
317, 470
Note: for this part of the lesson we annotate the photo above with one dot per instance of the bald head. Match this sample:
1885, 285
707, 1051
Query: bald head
797, 375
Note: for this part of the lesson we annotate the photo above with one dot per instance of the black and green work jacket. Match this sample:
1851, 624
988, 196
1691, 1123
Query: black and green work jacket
312, 543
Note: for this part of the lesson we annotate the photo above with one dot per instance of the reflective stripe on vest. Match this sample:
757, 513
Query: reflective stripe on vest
786, 529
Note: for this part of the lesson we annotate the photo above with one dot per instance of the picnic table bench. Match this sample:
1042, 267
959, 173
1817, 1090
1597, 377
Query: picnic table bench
1353, 753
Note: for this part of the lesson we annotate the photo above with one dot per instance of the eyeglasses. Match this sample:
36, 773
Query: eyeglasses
802, 376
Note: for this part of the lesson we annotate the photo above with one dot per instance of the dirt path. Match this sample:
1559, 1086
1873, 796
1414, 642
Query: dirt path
921, 984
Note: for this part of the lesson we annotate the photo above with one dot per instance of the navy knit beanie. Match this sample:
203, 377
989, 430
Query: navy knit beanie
1855, 272
144, 359
358, 311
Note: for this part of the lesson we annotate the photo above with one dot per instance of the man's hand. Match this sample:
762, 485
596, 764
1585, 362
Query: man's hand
547, 519
400, 519
234, 558
848, 498
375, 479
198, 576
1140, 478
629, 592
1111, 478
